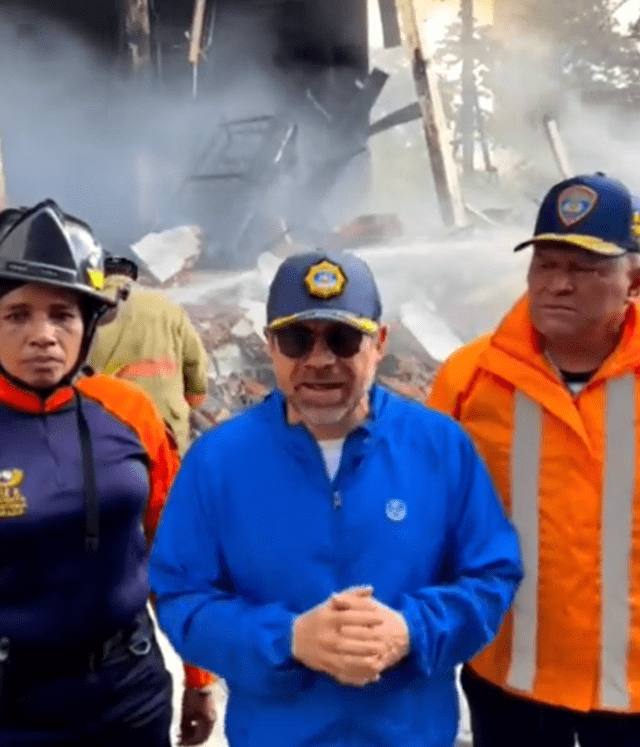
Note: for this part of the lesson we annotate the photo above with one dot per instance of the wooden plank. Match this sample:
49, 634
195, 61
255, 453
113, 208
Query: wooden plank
389, 20
436, 130
557, 147
196, 31
138, 29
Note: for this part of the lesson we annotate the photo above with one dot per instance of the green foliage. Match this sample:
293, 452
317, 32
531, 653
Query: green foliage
554, 47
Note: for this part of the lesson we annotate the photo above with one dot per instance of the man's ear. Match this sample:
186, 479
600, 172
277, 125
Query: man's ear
271, 340
634, 275
381, 342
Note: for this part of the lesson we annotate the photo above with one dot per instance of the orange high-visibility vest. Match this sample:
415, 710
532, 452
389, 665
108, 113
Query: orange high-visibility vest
567, 469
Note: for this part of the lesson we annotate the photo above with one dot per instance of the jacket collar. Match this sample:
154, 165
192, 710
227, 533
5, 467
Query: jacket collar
516, 355
16, 398
517, 337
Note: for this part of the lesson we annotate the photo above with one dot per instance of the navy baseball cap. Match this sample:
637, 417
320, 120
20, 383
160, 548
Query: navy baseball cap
592, 212
324, 286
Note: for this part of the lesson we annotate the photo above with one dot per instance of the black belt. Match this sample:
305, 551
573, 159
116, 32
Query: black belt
44, 662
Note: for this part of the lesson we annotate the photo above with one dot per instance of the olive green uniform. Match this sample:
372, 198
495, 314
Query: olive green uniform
152, 343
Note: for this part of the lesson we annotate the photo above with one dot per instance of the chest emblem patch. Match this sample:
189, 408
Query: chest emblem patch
12, 502
396, 510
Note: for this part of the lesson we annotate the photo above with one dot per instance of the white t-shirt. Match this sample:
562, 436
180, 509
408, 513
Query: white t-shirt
332, 453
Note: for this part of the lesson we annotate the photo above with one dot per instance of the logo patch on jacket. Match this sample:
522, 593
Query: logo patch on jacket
396, 510
12, 502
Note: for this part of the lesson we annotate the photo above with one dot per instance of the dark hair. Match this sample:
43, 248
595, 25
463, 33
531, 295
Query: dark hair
7, 285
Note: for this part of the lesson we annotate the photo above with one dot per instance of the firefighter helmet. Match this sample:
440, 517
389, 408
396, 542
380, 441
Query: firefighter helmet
44, 245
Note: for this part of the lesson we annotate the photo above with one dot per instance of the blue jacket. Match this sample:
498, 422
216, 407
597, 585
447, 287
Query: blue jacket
255, 533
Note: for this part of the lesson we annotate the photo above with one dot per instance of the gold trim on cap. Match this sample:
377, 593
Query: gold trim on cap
368, 326
588, 243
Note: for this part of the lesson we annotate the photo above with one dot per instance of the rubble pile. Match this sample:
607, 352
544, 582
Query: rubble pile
436, 295
241, 374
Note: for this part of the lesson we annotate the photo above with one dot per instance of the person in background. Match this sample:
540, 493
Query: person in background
346, 547
550, 399
152, 343
85, 466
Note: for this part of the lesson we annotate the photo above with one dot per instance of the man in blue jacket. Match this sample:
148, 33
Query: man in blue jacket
334, 551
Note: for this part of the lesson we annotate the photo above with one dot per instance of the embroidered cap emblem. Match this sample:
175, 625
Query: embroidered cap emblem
575, 203
396, 510
12, 502
325, 280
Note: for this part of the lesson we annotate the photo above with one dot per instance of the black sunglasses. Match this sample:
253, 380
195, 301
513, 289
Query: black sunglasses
297, 340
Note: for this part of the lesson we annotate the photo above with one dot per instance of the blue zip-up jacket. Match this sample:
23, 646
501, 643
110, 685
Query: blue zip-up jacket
255, 533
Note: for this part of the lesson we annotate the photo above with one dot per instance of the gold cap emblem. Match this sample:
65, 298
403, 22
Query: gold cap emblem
325, 280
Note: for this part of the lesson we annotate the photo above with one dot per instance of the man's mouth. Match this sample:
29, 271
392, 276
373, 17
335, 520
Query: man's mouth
43, 361
321, 386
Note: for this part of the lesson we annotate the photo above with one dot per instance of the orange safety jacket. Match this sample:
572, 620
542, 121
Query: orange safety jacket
567, 469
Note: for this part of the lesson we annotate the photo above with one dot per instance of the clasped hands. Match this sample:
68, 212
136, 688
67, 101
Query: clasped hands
351, 636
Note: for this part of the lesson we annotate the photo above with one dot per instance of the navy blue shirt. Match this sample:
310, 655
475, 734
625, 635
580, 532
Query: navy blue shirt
52, 590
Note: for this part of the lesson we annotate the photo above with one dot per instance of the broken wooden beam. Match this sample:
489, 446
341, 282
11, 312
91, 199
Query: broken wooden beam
195, 44
138, 30
557, 147
443, 166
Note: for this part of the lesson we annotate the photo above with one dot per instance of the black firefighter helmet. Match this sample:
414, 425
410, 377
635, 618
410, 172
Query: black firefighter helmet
117, 265
45, 245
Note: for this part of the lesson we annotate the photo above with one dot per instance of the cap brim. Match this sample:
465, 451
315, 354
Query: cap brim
588, 243
368, 326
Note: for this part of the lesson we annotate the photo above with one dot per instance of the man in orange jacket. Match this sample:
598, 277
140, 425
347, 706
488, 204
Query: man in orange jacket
551, 400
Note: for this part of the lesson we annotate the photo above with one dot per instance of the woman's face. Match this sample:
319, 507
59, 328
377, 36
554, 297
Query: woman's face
41, 330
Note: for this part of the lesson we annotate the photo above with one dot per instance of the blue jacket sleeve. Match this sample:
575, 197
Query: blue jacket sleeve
208, 624
450, 622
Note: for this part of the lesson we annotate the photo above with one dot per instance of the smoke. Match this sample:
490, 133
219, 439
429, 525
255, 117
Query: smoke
118, 150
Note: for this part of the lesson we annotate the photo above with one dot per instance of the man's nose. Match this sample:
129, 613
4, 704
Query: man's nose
43, 331
561, 281
321, 354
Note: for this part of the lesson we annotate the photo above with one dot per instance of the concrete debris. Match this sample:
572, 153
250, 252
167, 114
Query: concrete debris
431, 331
371, 229
227, 359
241, 373
166, 253
436, 295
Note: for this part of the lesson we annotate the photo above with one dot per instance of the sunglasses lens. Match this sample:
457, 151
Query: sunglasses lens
344, 340
295, 341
